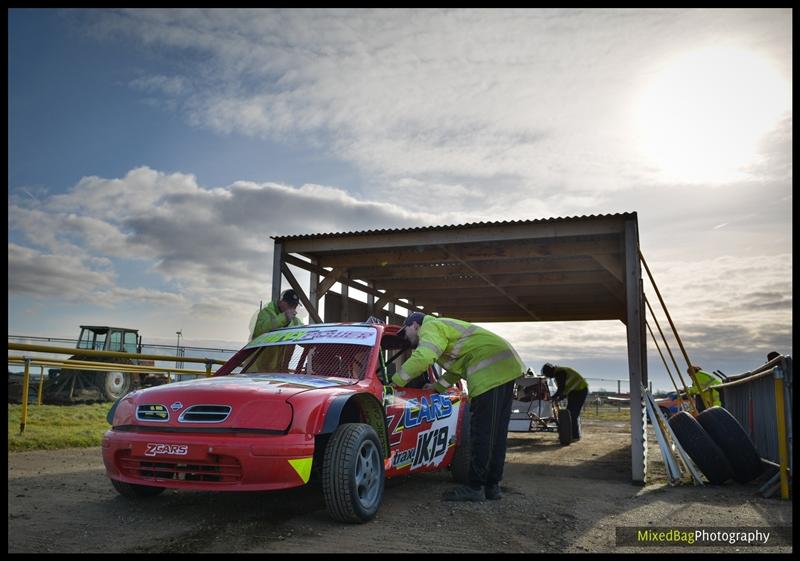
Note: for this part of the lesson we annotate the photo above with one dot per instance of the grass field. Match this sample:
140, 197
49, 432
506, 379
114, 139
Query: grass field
606, 411
50, 427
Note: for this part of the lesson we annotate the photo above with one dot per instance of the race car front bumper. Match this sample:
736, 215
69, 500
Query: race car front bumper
222, 462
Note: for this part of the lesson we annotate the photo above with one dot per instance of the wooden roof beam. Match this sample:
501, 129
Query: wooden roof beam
496, 287
308, 266
470, 252
478, 280
436, 270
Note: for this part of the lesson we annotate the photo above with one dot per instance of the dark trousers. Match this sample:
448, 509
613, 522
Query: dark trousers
489, 430
575, 401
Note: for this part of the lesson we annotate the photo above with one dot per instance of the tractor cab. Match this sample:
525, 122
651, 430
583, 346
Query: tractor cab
104, 338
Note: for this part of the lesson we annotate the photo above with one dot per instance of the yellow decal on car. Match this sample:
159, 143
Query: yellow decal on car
303, 467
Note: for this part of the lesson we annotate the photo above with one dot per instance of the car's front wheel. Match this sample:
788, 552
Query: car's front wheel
352, 473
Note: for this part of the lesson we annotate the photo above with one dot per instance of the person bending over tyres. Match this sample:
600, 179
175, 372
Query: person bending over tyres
571, 385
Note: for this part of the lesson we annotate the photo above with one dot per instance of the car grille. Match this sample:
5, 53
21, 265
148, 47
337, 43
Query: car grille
152, 412
205, 414
216, 469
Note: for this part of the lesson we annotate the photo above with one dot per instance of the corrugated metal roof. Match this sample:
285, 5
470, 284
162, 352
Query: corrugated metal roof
623, 215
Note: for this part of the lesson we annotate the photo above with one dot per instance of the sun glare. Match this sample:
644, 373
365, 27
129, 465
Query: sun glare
702, 116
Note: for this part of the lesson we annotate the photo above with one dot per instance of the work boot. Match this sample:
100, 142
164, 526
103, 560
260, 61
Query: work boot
493, 492
463, 493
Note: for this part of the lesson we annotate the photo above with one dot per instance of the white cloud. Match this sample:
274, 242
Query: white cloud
64, 277
210, 246
542, 96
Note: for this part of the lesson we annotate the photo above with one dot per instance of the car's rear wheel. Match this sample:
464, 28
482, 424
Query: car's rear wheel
132, 491
352, 473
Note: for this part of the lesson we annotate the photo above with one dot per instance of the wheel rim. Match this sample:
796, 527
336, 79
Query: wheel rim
115, 383
368, 475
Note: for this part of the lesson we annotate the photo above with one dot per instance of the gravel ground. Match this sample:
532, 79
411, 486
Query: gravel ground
556, 499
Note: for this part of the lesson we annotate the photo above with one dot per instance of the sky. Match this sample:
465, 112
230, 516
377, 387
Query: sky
153, 153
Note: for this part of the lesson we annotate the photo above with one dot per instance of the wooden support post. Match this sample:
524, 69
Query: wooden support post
312, 290
277, 266
329, 280
345, 301
312, 310
371, 300
381, 302
635, 318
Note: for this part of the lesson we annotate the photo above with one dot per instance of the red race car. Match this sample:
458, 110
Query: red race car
294, 403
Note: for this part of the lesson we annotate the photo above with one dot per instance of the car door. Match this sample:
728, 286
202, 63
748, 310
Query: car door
422, 426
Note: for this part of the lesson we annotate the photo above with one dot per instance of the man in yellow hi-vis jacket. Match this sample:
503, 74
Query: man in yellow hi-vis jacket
574, 387
706, 382
489, 364
282, 313
275, 315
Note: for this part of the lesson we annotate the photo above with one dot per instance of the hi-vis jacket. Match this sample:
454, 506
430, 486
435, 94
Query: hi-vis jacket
567, 381
466, 351
271, 318
706, 380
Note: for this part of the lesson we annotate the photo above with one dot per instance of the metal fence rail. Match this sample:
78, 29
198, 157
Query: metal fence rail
761, 401
27, 361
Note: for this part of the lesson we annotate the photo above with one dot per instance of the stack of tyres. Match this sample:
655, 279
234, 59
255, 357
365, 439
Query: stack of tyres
718, 444
701, 448
734, 442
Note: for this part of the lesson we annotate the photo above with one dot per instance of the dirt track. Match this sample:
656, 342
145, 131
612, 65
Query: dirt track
556, 499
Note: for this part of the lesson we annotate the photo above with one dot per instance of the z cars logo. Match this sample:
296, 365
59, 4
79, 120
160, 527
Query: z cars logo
166, 449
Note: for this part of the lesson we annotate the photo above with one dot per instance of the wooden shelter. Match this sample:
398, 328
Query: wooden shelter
557, 269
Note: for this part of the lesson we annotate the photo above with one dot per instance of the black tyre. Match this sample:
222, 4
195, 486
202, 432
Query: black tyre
730, 436
113, 385
700, 447
352, 473
136, 491
565, 427
459, 467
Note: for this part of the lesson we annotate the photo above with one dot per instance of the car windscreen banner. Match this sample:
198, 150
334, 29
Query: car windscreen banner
341, 334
